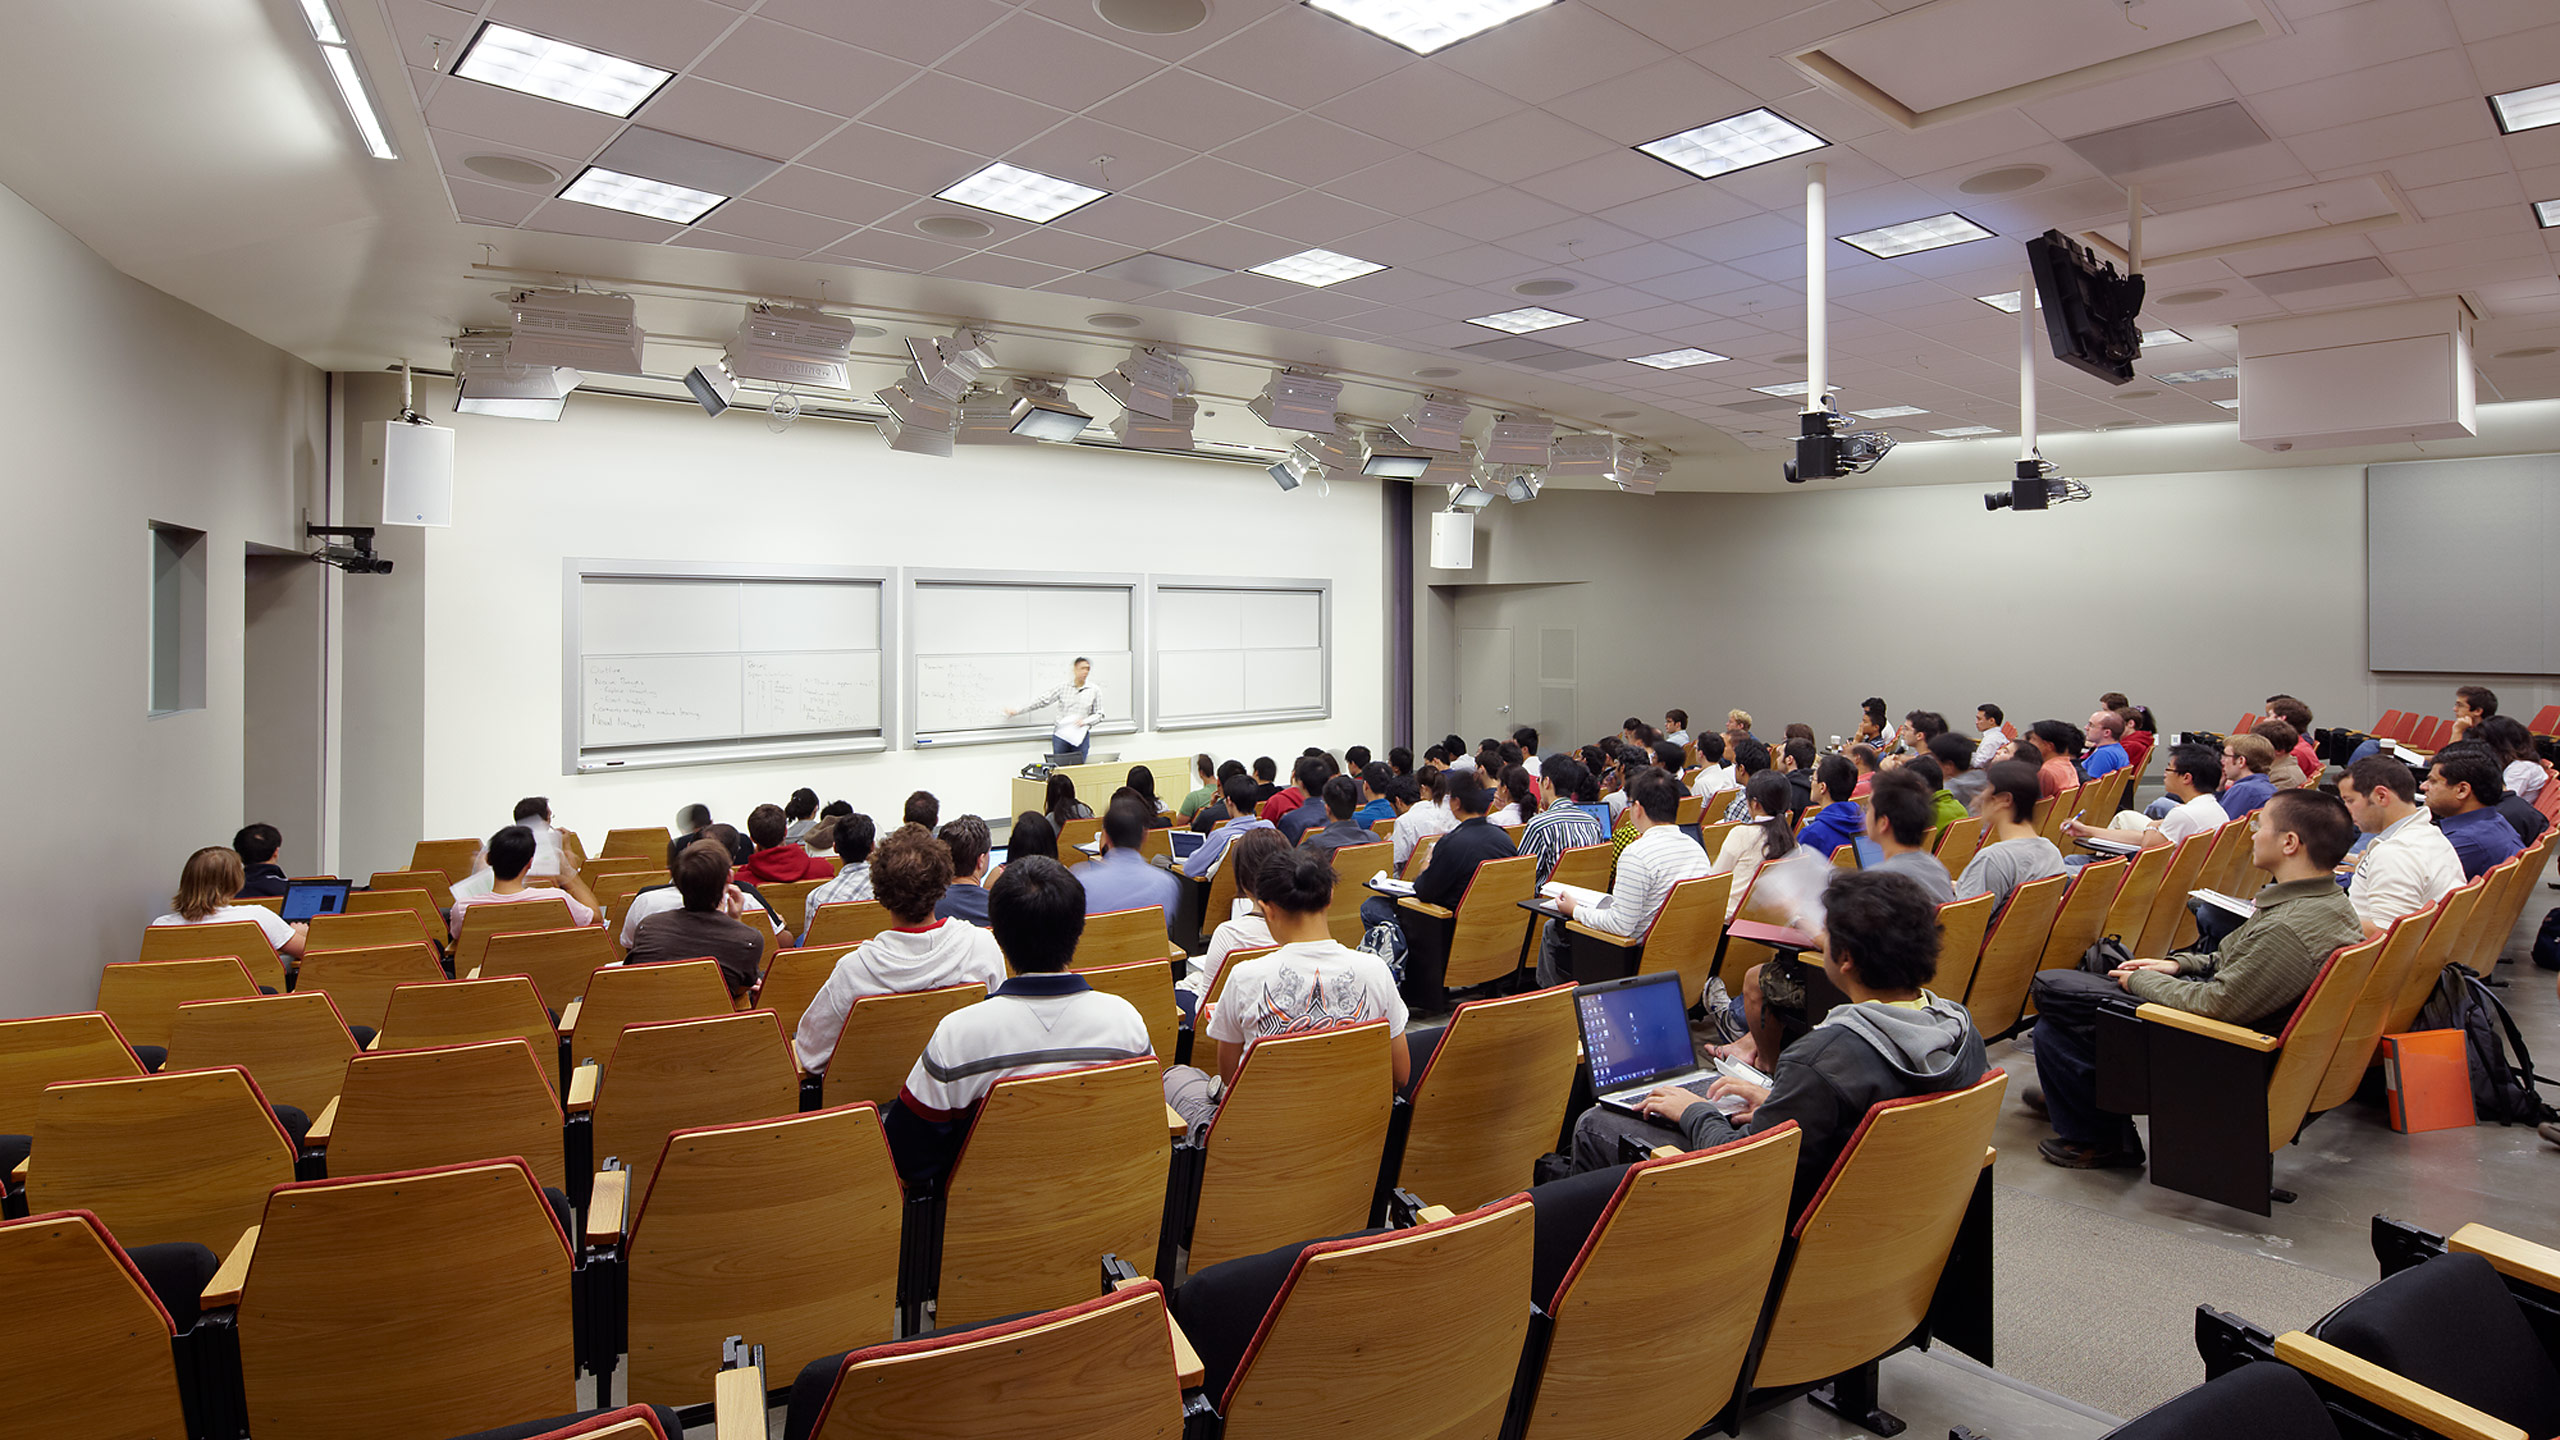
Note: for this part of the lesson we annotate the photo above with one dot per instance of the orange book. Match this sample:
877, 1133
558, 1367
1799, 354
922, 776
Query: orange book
2428, 1074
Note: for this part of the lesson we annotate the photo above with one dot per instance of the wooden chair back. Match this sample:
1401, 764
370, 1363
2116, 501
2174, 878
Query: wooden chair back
2083, 915
1683, 936
558, 962
1463, 1281
449, 1105
643, 995
848, 922
794, 979
48, 1049
361, 980
1224, 892
2310, 1040
1102, 1368
450, 858
296, 1045
1383, 829
2227, 868
189, 1155
1156, 845
1059, 1169
2452, 919
1147, 984
480, 922
1117, 937
647, 841
670, 1075
1588, 866
84, 1343
1218, 984
2136, 892
790, 899
477, 1345
1420, 859
2500, 903
1492, 1098
1295, 1148
1354, 866
1870, 1246
784, 1228
438, 889
239, 939
1963, 926
1485, 942
143, 996
1956, 843
1076, 834
263, 902
466, 1012
2051, 812
1650, 1329
2403, 941
1718, 803
2098, 798
616, 891
882, 1037
358, 929
1998, 996
1691, 806
2169, 901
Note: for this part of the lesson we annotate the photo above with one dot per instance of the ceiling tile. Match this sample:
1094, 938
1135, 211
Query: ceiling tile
1699, 283
490, 113
989, 268
891, 250
669, 34
1307, 149
1098, 287
1547, 52
816, 192
734, 118
1495, 214
1661, 99
1315, 218
482, 203
790, 228
567, 217
1750, 235
804, 69
920, 34
1614, 178
1570, 242
1639, 262
1749, 58
2517, 61
2478, 20
1685, 209
950, 111
1394, 285
1230, 247
700, 239
1408, 182
1418, 105
1065, 249
1073, 149
1479, 265
1000, 228
1299, 57
1129, 220
1522, 144
1224, 19
886, 157
419, 26
2339, 42
1049, 62
1192, 110
2491, 192
2166, 90
1211, 187
2370, 141
1242, 289
1402, 242
2363, 95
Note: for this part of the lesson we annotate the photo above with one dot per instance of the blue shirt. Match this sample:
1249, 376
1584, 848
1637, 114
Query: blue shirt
2482, 840
1836, 825
2105, 760
1123, 880
1205, 859
1374, 811
2250, 793
963, 901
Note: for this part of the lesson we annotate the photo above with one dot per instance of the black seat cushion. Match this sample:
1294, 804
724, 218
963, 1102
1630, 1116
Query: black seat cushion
667, 1421
1220, 1308
2265, 1401
1566, 1210
177, 1272
152, 1057
14, 1148
2451, 1325
296, 1123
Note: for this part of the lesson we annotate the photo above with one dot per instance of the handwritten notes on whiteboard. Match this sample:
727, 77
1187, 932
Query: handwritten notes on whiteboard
699, 660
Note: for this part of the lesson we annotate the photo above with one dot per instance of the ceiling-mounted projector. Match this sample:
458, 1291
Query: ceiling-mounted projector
786, 345
487, 382
580, 329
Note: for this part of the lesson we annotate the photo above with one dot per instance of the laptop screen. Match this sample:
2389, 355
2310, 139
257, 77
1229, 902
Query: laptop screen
304, 900
1870, 854
1633, 1030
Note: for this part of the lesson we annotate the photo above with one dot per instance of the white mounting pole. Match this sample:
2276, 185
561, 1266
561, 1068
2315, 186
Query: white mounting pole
2133, 230
2027, 364
1817, 286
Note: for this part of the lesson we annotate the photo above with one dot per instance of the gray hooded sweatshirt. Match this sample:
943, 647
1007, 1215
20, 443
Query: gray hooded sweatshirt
1859, 1055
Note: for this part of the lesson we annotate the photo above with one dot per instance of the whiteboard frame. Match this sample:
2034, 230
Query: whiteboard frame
575, 570
1141, 653
1324, 648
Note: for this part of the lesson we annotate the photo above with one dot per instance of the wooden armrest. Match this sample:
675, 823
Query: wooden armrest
1423, 908
2536, 1265
605, 1205
373, 1044
1623, 942
1429, 1213
1174, 1123
224, 1287
1186, 1361
1665, 1152
1990, 1153
474, 975
18, 1172
569, 1015
318, 1136
2431, 1410
582, 1087
737, 1404
2195, 1024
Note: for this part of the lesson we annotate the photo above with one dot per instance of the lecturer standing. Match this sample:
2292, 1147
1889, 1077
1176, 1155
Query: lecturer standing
1079, 710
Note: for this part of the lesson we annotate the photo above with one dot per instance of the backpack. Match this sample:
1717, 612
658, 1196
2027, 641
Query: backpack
2500, 1090
2546, 941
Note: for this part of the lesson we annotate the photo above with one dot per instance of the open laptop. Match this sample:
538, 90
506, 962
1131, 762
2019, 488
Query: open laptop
1635, 1033
306, 898
1870, 854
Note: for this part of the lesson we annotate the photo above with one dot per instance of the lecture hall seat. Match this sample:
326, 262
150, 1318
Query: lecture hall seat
445, 1105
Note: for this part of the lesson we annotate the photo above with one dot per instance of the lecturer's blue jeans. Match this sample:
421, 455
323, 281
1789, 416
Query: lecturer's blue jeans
1071, 754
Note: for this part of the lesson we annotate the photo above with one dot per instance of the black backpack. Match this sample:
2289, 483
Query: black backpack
2501, 1090
2546, 941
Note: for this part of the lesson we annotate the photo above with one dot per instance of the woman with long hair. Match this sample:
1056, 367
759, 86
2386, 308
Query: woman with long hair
1765, 839
1062, 805
206, 889
1032, 834
1142, 782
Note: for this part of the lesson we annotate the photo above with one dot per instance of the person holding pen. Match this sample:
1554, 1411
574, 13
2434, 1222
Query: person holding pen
1079, 710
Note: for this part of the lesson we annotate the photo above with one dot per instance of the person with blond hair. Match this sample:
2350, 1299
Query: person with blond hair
206, 889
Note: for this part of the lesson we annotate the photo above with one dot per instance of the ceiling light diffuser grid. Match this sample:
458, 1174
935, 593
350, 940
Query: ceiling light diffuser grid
1889, 412
1911, 237
1317, 268
1526, 319
634, 195
2546, 213
1958, 432
1738, 142
1792, 387
1023, 194
2527, 109
2199, 377
1423, 26
1678, 359
2162, 337
519, 60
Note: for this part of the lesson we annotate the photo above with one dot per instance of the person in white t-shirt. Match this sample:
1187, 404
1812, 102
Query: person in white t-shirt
511, 854
206, 887
1312, 982
2194, 773
549, 842
1248, 931
1424, 818
909, 872
2408, 865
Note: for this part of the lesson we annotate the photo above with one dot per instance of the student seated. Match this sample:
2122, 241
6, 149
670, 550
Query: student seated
1892, 1041
1767, 840
923, 809
2463, 790
1142, 783
1341, 798
2012, 853
1661, 856
256, 845
909, 872
800, 816
1312, 982
2409, 865
1839, 821
2192, 776
691, 821
1957, 773
1470, 842
1306, 776
1245, 931
2253, 977
2102, 738
1204, 769
1032, 834
1515, 798
1121, 878
1900, 811
1044, 1019
1563, 824
776, 860
1427, 816
970, 843
1376, 779
1750, 757
550, 845
1240, 821
821, 838
510, 854
705, 924
206, 888
1061, 804
853, 836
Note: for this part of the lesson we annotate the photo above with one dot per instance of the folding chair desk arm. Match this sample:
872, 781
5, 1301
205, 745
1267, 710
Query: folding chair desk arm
2435, 1412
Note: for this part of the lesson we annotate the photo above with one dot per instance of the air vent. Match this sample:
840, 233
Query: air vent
1159, 272
2320, 277
2187, 135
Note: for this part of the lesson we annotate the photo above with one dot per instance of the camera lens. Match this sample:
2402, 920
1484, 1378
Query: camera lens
1997, 500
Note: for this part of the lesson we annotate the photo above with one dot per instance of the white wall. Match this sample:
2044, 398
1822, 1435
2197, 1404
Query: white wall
123, 406
627, 479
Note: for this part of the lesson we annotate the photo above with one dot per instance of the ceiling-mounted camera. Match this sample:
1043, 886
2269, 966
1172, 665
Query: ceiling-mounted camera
1823, 452
2036, 488
356, 557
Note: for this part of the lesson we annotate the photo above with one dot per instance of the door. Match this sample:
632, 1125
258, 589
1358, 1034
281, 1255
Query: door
1485, 674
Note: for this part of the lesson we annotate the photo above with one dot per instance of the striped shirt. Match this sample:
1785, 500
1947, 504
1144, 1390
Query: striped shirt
1560, 827
1653, 862
1031, 1025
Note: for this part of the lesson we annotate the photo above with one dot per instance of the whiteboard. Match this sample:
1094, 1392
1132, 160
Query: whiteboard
980, 643
683, 663
2436, 618
1230, 652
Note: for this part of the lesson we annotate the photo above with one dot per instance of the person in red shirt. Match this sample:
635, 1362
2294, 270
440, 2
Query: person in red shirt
1306, 778
776, 861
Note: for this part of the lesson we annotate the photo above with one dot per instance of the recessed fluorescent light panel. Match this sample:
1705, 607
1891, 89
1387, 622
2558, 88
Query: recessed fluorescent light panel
1937, 232
1889, 412
1678, 359
515, 59
2546, 213
2007, 302
2527, 109
634, 195
1423, 26
343, 73
1754, 137
1791, 388
2162, 337
2199, 377
1022, 194
1958, 432
1526, 319
2231, 404
324, 26
1317, 268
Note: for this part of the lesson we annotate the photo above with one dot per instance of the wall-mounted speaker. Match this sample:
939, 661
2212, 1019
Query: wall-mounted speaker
417, 472
1453, 540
